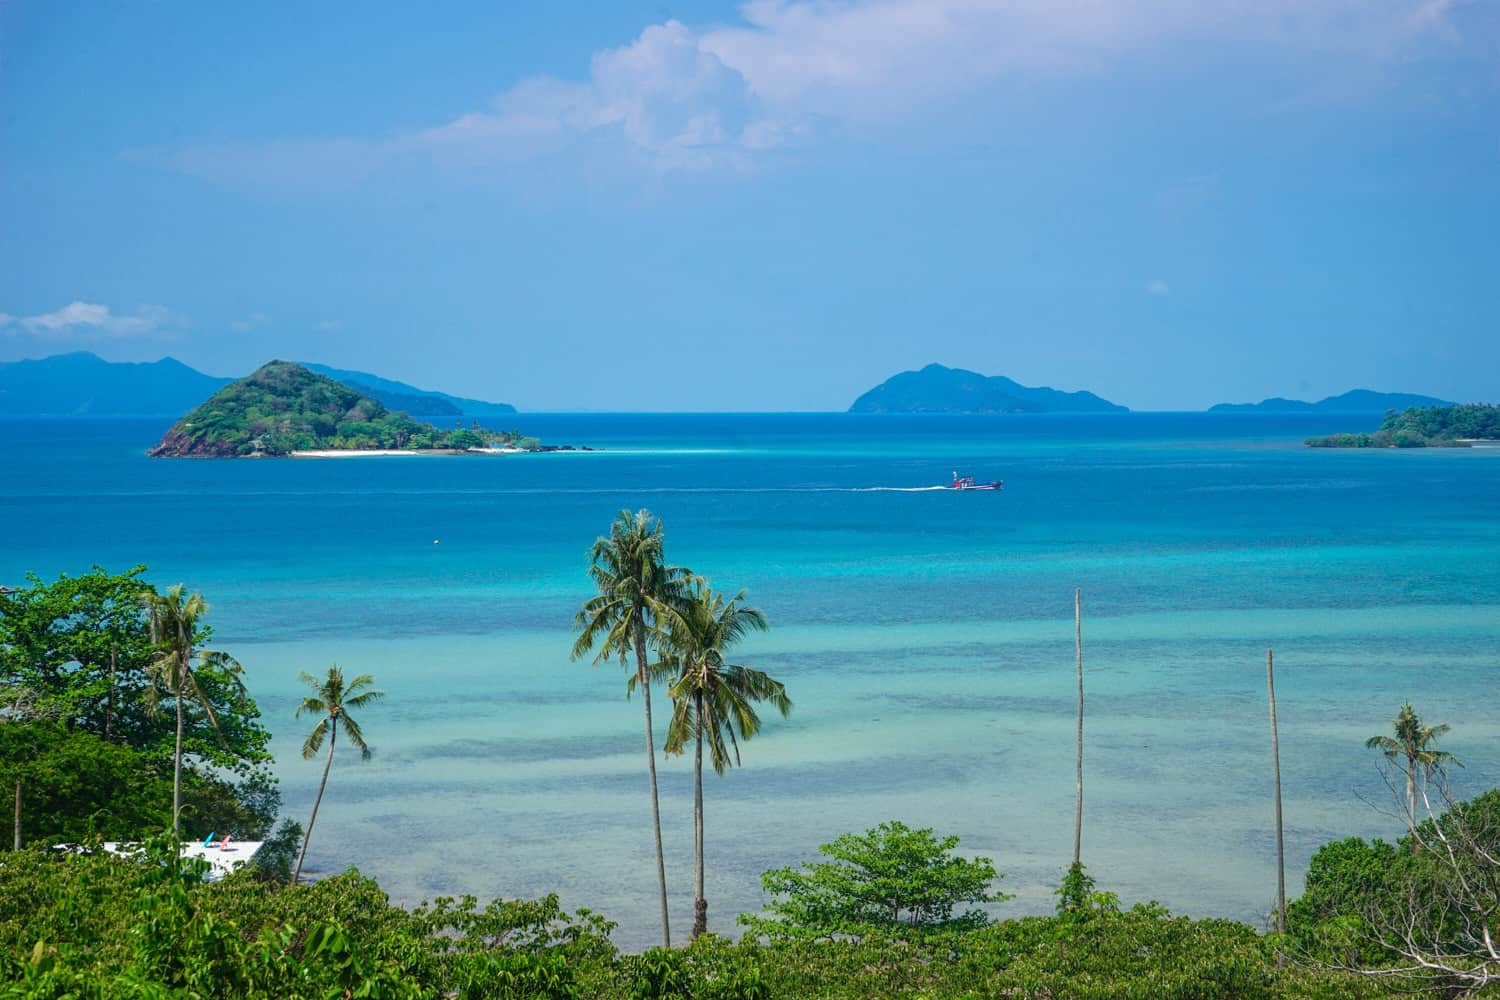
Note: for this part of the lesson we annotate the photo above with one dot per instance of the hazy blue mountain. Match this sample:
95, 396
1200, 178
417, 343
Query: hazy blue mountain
1354, 401
938, 389
418, 402
84, 384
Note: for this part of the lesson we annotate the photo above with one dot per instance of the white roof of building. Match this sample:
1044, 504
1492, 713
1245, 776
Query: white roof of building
221, 860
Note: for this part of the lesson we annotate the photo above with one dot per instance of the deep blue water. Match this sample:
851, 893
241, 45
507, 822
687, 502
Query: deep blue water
926, 636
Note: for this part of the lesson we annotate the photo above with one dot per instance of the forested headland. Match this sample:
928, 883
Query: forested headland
1424, 427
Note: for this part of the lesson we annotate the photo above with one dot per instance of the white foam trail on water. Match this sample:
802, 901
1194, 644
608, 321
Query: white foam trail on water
522, 491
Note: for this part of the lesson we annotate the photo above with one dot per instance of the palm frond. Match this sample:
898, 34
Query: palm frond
314, 741
312, 706
190, 681
356, 735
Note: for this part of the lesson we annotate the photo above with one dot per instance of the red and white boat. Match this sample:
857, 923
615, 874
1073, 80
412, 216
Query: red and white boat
968, 483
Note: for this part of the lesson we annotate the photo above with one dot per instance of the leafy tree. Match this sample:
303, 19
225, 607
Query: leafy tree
1352, 888
79, 785
634, 586
713, 700
891, 878
278, 854
332, 699
175, 628
82, 645
1078, 896
1412, 752
1421, 913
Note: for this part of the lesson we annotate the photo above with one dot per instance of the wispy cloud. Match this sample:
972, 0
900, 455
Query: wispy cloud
88, 319
680, 98
1158, 287
257, 319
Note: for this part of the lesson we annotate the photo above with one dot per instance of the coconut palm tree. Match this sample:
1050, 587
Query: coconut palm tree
634, 586
713, 700
331, 700
1412, 752
174, 622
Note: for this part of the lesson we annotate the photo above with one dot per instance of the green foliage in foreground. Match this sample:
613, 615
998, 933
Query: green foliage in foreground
1423, 427
96, 926
283, 407
888, 879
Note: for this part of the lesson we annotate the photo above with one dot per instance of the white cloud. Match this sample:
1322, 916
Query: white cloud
835, 56
664, 95
1158, 287
686, 98
329, 325
90, 319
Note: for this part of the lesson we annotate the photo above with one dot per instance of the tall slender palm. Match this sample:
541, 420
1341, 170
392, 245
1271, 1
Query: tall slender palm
1412, 752
174, 622
713, 700
331, 700
634, 586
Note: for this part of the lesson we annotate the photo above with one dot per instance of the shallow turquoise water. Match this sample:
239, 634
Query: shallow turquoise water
926, 637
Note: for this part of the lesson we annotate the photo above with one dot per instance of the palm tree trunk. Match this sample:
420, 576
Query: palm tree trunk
700, 904
333, 735
1078, 648
1411, 802
18, 814
1276, 785
177, 764
644, 676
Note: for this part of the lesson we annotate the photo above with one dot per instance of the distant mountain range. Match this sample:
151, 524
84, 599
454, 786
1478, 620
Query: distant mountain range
417, 402
83, 384
939, 389
1354, 401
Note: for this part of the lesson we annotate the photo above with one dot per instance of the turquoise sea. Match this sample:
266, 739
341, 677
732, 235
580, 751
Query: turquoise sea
925, 636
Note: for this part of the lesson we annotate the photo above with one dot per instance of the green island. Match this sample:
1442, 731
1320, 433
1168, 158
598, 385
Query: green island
120, 722
1424, 427
283, 408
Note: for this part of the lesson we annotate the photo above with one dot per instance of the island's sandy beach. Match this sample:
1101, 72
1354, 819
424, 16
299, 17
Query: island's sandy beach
351, 453
380, 452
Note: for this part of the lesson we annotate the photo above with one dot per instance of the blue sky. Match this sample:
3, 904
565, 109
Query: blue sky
763, 206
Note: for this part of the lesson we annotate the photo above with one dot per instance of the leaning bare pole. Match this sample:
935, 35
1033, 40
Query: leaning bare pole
1078, 649
1276, 783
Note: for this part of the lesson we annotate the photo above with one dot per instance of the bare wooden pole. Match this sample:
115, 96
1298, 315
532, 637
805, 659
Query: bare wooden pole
1078, 649
1276, 784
